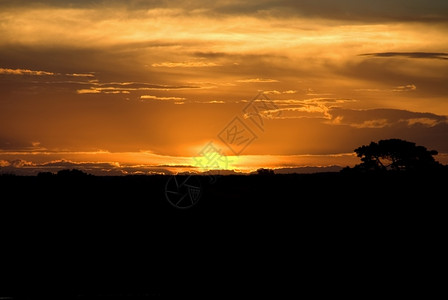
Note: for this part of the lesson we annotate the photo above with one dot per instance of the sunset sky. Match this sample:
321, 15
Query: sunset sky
122, 87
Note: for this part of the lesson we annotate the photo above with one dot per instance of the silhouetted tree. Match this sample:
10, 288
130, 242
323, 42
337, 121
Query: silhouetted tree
263, 171
72, 173
8, 174
45, 174
397, 155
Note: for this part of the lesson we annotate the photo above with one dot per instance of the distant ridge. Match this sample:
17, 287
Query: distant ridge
290, 170
307, 170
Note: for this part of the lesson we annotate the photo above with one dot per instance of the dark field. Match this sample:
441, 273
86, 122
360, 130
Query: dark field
118, 237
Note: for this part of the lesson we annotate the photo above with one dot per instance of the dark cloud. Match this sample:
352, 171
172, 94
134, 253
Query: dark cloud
430, 55
429, 76
356, 10
366, 11
211, 54
59, 59
12, 143
28, 168
391, 117
136, 4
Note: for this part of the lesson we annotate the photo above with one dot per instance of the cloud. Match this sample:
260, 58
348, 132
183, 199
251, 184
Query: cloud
381, 118
427, 122
211, 54
405, 88
399, 89
429, 76
410, 10
378, 123
128, 87
213, 101
24, 167
142, 86
257, 80
428, 55
369, 90
295, 113
4, 163
275, 92
80, 75
88, 91
161, 98
25, 72
381, 10
331, 112
312, 92
296, 108
20, 163
7, 144
188, 64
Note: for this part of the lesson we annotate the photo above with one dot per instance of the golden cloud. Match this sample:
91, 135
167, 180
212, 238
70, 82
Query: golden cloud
25, 72
161, 98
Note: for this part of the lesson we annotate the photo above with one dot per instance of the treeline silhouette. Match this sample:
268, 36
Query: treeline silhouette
65, 173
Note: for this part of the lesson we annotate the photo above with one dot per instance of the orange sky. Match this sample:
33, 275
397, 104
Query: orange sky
146, 86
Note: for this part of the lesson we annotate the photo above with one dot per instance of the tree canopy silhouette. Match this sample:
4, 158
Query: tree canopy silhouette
396, 155
263, 171
71, 173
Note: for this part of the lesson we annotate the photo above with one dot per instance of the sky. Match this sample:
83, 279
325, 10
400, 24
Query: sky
130, 87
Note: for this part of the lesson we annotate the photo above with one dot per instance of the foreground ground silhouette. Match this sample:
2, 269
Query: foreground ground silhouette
87, 237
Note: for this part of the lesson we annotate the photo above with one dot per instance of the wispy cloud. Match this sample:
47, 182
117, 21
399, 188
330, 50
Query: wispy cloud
377, 123
312, 92
381, 118
405, 88
24, 167
186, 64
372, 90
429, 55
88, 91
275, 92
428, 122
25, 72
399, 89
257, 80
161, 98
128, 87
299, 108
80, 74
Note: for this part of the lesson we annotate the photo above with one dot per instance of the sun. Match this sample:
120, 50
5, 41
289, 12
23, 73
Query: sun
214, 160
